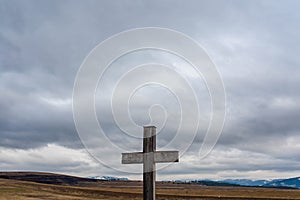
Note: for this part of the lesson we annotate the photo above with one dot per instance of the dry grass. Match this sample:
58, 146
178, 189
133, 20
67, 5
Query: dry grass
17, 190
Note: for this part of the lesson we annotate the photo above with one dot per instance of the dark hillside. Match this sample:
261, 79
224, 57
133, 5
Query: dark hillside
47, 178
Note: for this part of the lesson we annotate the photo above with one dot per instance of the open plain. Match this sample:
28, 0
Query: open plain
67, 187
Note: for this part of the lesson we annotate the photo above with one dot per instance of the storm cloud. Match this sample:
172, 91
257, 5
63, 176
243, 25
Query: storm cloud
255, 47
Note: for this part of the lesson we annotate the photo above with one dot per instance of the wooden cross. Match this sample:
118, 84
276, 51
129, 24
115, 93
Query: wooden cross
149, 157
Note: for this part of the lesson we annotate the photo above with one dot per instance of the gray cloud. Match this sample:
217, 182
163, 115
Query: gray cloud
254, 44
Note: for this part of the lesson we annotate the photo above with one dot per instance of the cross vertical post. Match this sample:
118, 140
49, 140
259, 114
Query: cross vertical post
148, 158
149, 147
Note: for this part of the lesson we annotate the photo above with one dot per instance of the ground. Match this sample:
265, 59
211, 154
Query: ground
112, 190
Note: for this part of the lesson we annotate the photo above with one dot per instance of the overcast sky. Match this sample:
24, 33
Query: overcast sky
255, 46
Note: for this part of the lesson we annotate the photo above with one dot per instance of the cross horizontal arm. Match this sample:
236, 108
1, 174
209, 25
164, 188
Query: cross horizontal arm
132, 158
166, 156
159, 157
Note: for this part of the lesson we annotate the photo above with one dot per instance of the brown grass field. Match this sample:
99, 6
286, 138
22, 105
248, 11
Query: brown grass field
112, 190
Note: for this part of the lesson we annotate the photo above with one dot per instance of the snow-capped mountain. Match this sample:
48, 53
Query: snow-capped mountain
108, 178
247, 182
290, 182
280, 183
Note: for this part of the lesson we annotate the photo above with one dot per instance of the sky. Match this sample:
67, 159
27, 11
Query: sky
254, 45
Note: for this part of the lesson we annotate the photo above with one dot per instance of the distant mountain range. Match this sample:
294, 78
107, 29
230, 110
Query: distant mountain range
61, 179
108, 178
276, 183
247, 182
290, 182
